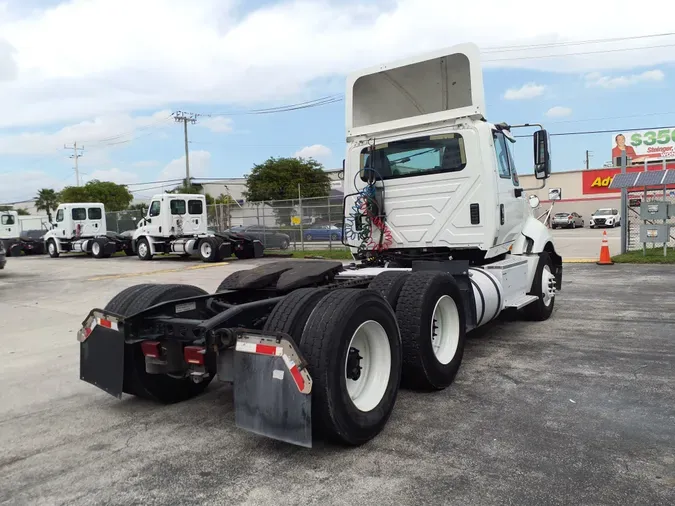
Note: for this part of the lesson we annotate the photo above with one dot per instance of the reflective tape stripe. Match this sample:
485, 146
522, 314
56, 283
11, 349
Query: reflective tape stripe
260, 349
295, 372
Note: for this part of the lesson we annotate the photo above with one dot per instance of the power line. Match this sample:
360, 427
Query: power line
582, 53
545, 45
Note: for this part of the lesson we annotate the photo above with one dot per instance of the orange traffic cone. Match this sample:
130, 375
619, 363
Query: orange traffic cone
605, 259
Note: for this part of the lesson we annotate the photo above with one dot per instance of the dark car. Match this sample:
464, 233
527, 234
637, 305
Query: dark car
3, 256
269, 237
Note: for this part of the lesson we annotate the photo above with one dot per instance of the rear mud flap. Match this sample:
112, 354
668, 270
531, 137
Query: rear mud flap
102, 353
272, 389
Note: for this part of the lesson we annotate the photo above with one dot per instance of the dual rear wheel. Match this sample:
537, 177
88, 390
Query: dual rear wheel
361, 345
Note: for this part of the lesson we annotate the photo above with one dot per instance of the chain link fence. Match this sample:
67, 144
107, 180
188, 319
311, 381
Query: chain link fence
635, 198
297, 224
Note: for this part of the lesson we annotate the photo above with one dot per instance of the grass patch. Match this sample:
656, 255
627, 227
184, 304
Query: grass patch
653, 256
334, 254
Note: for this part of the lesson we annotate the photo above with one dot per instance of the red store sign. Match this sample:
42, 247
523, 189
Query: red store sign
598, 181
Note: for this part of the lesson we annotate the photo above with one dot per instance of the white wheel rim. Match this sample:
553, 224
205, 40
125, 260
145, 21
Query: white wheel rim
547, 286
206, 249
372, 343
52, 248
142, 249
95, 248
445, 329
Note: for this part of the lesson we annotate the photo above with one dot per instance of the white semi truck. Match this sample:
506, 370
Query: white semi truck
22, 234
443, 241
176, 224
81, 228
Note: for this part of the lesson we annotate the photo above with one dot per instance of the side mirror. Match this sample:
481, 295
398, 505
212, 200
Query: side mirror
534, 201
542, 157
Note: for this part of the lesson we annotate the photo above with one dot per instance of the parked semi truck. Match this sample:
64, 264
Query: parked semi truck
443, 240
22, 234
176, 224
81, 228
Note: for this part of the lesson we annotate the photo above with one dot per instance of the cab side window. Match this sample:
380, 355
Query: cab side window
502, 154
7, 219
154, 208
95, 213
59, 215
79, 214
177, 207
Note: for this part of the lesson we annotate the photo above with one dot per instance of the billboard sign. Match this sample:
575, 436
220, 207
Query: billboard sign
597, 181
644, 145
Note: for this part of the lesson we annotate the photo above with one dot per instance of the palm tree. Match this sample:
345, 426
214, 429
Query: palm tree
47, 200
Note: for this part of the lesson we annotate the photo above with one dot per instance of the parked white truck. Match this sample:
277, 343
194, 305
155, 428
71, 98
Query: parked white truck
81, 228
176, 224
22, 234
443, 240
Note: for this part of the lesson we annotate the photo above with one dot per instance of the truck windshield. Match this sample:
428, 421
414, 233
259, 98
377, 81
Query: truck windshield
414, 157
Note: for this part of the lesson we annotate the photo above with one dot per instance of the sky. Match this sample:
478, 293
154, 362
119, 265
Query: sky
107, 75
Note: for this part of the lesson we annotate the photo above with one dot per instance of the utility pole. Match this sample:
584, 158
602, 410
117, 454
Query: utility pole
75, 155
588, 159
185, 118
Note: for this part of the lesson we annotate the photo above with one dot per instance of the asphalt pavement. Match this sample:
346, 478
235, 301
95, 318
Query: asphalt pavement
576, 410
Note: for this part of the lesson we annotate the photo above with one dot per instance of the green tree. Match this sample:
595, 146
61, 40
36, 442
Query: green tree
47, 200
278, 179
115, 197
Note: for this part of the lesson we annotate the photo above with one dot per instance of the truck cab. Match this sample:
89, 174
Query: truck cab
174, 215
444, 178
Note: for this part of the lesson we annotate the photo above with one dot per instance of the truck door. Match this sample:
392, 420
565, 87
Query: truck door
152, 225
179, 223
196, 222
8, 226
95, 221
79, 219
511, 206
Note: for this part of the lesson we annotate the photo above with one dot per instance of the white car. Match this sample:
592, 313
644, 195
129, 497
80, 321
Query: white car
605, 218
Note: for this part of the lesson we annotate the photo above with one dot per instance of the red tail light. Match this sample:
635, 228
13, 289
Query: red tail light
151, 349
194, 355
570, 217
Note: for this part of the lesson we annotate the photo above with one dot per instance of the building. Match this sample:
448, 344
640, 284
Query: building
583, 191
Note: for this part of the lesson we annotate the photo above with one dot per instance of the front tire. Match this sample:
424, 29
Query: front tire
143, 249
542, 308
430, 312
353, 347
52, 249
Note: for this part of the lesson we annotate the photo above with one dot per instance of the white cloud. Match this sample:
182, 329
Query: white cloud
558, 112
226, 57
145, 164
317, 151
25, 184
115, 175
200, 165
596, 79
526, 91
101, 133
217, 124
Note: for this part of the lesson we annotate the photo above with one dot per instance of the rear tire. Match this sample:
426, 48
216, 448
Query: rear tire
430, 312
291, 314
352, 410
208, 249
389, 285
156, 387
14, 250
98, 248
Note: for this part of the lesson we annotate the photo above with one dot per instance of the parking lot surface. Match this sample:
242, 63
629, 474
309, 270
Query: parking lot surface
576, 410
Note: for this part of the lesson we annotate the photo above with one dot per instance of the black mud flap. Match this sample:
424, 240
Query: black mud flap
102, 352
272, 389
